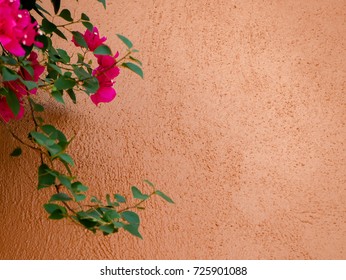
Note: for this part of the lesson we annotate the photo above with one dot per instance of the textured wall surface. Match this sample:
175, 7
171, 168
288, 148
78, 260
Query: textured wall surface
240, 119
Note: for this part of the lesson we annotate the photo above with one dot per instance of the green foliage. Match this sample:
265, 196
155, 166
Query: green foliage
133, 67
16, 152
66, 74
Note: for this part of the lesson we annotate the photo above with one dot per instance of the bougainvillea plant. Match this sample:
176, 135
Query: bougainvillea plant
31, 65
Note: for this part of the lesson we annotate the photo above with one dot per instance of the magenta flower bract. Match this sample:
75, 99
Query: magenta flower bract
16, 28
105, 74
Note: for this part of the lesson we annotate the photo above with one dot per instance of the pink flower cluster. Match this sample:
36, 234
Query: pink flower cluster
107, 70
16, 28
19, 89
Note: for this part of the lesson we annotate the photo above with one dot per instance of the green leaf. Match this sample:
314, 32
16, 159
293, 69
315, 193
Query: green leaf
149, 183
72, 95
91, 85
84, 17
78, 37
94, 199
60, 197
135, 60
56, 5
45, 177
131, 217
9, 74
64, 55
133, 230
134, 68
103, 50
88, 25
57, 95
60, 34
47, 26
79, 187
108, 198
64, 82
119, 198
79, 197
30, 84
103, 3
138, 194
108, 229
56, 211
112, 214
16, 152
50, 130
36, 107
66, 158
66, 15
65, 180
126, 41
81, 73
13, 102
55, 67
165, 197
41, 139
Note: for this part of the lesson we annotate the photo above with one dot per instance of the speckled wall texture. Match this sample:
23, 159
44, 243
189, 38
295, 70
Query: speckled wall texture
240, 119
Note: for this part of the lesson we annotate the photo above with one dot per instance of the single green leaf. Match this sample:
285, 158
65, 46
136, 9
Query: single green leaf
16, 152
30, 84
119, 198
66, 15
65, 180
79, 187
149, 183
138, 194
50, 130
78, 37
88, 25
108, 229
103, 3
125, 40
135, 60
51, 207
42, 139
57, 95
112, 214
79, 197
108, 199
64, 82
60, 33
81, 73
91, 85
134, 68
131, 217
45, 178
9, 74
133, 230
64, 55
60, 197
47, 26
94, 199
72, 95
103, 50
165, 197
56, 5
84, 17
13, 102
66, 158
55, 67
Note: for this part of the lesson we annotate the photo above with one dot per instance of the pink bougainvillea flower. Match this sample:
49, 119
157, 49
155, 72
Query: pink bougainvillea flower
105, 74
16, 28
6, 113
92, 38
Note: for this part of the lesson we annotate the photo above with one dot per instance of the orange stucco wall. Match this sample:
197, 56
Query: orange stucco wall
240, 119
